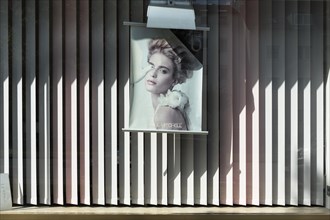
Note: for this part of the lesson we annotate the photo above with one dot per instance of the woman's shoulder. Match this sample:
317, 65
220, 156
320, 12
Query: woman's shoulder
167, 112
169, 118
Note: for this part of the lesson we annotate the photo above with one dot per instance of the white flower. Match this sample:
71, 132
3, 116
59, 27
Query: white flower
174, 99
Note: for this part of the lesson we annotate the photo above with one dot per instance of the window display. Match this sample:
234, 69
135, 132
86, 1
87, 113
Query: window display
165, 84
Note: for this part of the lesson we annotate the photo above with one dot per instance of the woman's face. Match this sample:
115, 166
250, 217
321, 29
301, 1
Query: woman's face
160, 78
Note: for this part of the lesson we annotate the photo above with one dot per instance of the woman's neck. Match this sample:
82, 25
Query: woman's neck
154, 99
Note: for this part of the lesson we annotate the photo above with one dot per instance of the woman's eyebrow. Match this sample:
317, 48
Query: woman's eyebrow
164, 67
161, 66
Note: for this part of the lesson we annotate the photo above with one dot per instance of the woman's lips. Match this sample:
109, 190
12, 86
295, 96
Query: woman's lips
150, 82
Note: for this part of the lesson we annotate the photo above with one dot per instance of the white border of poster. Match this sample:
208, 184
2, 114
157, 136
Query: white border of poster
183, 100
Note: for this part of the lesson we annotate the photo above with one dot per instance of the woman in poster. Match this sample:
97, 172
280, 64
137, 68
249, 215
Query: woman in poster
168, 67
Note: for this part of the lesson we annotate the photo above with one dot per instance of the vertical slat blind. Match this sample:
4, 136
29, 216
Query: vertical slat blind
162, 171
278, 42
252, 108
83, 102
266, 103
64, 98
4, 86
137, 139
200, 141
239, 108
111, 101
17, 104
44, 180
226, 110
97, 101
174, 168
187, 168
123, 10
327, 98
70, 94
31, 104
213, 106
317, 104
57, 103
291, 66
304, 122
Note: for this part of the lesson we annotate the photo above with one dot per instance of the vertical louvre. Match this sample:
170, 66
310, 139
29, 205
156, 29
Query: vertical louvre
151, 185
200, 170
252, 102
64, 99
17, 103
31, 104
278, 53
213, 107
291, 80
266, 108
162, 170
4, 88
174, 170
44, 103
327, 98
304, 104
226, 110
138, 170
57, 103
123, 110
97, 108
317, 106
327, 104
187, 169
147, 168
239, 107
84, 101
137, 139
71, 100
200, 141
111, 101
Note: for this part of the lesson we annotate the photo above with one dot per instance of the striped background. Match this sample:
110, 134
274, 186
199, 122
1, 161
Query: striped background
64, 98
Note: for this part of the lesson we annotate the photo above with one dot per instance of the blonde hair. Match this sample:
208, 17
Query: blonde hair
183, 64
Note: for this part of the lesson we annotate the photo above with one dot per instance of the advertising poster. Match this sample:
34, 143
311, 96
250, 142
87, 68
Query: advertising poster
165, 83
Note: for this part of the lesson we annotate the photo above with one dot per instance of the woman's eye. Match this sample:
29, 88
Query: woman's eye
164, 71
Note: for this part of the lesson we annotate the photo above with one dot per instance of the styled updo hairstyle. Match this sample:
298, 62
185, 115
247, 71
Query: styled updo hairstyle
183, 64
